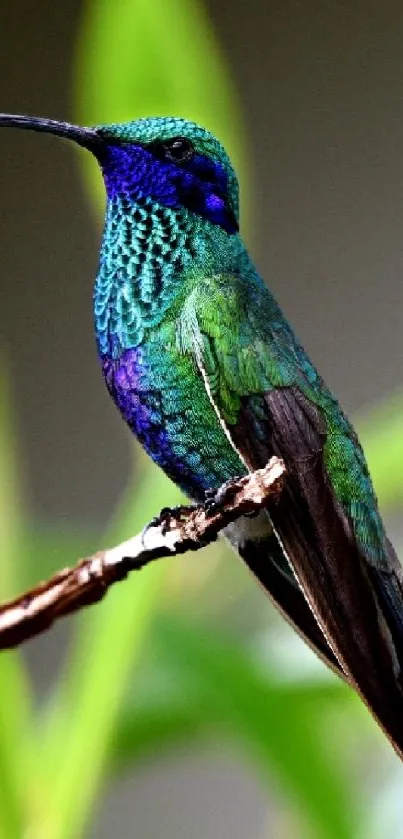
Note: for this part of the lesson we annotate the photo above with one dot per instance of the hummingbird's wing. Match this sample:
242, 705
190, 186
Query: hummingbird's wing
272, 401
264, 556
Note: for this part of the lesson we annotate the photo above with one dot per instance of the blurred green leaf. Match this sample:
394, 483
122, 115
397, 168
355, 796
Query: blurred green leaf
176, 708
145, 731
15, 693
137, 58
381, 434
275, 725
11, 514
108, 646
50, 547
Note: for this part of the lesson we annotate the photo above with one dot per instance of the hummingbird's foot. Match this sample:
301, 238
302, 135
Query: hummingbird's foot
156, 520
180, 512
213, 497
210, 501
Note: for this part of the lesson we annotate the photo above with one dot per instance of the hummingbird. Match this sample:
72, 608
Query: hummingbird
206, 371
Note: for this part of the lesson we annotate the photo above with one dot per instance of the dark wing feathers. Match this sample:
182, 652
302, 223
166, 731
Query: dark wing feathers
358, 607
203, 335
266, 559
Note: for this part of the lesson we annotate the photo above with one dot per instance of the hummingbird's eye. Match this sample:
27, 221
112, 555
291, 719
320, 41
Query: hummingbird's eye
177, 150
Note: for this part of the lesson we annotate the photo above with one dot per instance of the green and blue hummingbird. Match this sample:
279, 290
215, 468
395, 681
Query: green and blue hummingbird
206, 371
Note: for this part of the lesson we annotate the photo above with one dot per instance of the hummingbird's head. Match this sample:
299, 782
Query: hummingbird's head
174, 162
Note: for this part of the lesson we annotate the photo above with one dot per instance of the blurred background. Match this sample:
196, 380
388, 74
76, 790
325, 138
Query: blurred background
183, 706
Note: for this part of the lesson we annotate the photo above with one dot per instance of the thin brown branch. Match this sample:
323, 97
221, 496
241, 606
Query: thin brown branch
174, 532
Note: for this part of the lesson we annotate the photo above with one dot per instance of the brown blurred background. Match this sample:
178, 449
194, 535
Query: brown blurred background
322, 89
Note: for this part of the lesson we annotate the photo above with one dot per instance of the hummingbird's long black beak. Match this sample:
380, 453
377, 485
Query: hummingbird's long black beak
86, 137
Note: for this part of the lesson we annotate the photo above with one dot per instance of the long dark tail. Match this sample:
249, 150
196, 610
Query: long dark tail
357, 602
265, 559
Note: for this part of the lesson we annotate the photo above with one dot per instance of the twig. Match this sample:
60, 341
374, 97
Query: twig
174, 532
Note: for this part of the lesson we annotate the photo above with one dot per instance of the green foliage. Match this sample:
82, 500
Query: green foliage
162, 59
141, 675
15, 694
381, 435
277, 724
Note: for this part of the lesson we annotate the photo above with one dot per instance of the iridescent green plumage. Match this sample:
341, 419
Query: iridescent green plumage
238, 335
